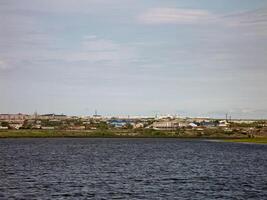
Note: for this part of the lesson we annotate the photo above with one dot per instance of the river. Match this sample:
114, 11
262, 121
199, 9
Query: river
95, 168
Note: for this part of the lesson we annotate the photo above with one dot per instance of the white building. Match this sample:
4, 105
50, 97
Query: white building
165, 125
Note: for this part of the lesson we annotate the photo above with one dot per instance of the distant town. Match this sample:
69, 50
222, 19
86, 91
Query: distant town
177, 126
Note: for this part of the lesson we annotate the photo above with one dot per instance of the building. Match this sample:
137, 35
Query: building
3, 127
15, 125
137, 125
165, 125
48, 127
13, 117
117, 123
193, 125
53, 117
77, 128
223, 123
208, 124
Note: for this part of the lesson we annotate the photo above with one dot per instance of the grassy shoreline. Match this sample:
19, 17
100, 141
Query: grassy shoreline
122, 134
259, 140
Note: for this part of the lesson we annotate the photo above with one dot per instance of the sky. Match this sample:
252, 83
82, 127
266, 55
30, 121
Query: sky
134, 57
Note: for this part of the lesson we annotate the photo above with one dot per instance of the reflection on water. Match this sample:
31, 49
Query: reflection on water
131, 169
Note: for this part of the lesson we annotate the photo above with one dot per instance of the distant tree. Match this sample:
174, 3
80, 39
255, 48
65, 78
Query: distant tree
180, 131
78, 122
129, 126
26, 125
5, 124
102, 125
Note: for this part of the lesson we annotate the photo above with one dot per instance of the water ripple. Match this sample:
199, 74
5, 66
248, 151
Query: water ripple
131, 169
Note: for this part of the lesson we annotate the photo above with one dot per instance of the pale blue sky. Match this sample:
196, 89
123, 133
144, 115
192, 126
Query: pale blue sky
136, 57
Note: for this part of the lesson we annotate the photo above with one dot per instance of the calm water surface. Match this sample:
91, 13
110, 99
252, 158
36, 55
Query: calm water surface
131, 169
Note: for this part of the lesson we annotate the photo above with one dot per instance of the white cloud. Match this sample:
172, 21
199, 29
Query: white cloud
249, 23
98, 44
174, 16
252, 18
89, 37
256, 17
3, 65
69, 6
94, 49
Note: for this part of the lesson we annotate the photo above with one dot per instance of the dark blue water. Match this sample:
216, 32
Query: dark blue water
131, 169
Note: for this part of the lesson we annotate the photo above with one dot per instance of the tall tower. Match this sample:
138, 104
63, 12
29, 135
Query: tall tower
35, 115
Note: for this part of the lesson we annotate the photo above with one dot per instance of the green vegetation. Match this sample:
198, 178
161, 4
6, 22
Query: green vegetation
22, 133
52, 133
101, 125
4, 124
104, 132
258, 140
256, 124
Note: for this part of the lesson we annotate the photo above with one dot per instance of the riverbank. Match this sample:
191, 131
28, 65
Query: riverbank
114, 133
259, 140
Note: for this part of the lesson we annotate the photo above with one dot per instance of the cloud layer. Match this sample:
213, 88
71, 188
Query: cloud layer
174, 16
133, 57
